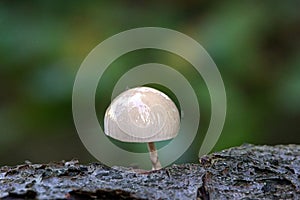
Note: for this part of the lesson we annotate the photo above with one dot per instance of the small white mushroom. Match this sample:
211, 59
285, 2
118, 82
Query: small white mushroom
142, 114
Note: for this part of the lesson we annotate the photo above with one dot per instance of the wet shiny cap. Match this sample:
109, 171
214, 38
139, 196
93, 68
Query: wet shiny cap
142, 114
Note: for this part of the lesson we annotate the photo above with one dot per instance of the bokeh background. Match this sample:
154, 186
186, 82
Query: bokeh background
255, 44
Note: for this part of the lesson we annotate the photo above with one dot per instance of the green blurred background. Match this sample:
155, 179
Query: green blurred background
255, 45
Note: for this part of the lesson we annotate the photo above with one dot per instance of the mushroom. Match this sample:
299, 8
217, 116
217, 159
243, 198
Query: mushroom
142, 115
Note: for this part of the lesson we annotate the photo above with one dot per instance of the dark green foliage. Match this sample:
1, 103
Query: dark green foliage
42, 44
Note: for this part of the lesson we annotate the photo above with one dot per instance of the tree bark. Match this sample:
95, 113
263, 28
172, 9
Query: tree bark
245, 172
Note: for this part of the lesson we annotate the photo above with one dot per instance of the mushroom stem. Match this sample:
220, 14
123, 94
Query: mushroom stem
153, 156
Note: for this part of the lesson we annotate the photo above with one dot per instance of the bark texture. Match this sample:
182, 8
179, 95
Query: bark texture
245, 172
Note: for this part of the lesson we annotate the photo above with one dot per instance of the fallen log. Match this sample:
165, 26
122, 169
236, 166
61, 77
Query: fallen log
245, 172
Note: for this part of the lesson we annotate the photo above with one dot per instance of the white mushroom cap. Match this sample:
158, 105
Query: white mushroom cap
142, 114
